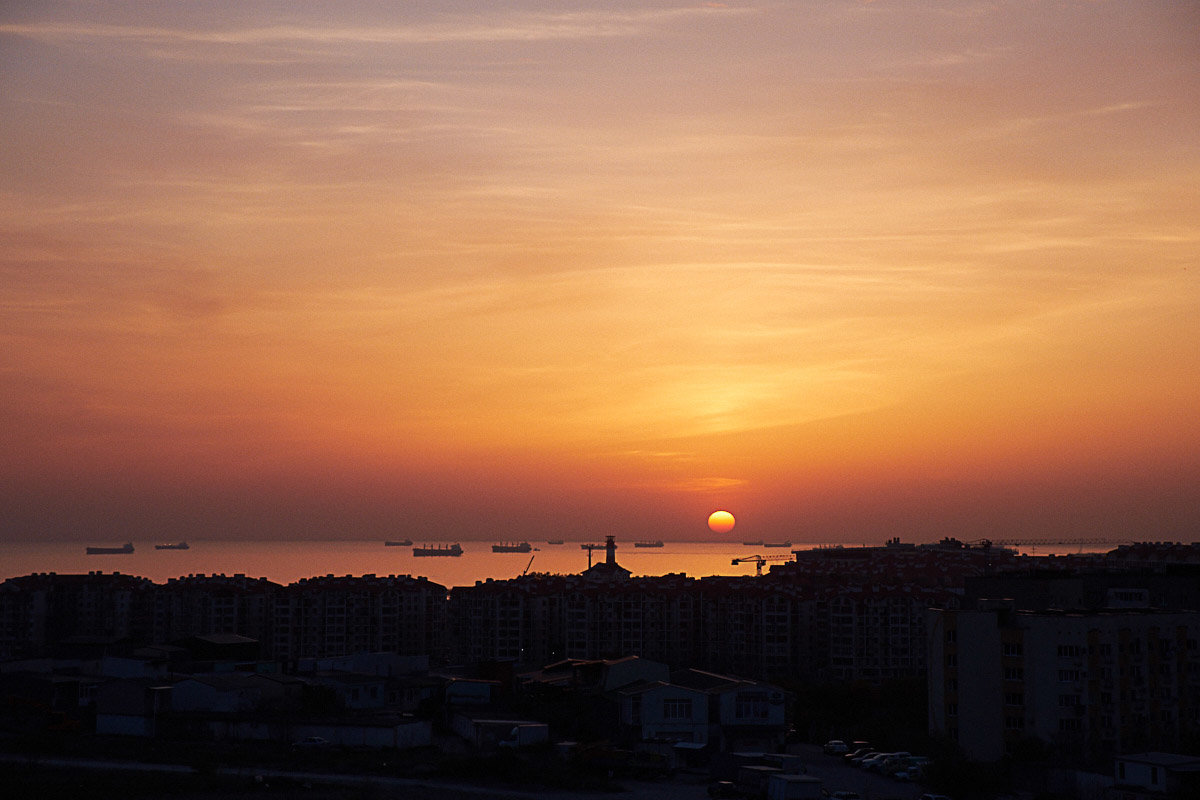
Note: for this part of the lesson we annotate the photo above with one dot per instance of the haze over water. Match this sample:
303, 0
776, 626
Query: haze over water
284, 562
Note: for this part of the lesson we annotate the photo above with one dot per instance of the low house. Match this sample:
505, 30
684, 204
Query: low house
661, 711
221, 652
223, 693
749, 715
386, 731
470, 691
411, 693
131, 706
488, 734
379, 731
391, 664
355, 691
601, 675
700, 707
1150, 776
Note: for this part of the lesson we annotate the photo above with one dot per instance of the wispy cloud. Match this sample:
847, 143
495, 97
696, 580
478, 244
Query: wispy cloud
485, 27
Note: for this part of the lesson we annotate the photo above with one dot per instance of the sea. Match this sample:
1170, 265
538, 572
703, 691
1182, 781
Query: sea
289, 561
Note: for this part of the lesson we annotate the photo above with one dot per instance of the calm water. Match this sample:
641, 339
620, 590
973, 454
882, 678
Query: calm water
284, 562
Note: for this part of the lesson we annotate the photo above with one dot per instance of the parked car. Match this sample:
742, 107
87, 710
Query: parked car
858, 753
913, 769
894, 763
835, 747
875, 762
844, 795
859, 759
720, 790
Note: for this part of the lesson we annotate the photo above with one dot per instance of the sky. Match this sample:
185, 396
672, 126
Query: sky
850, 270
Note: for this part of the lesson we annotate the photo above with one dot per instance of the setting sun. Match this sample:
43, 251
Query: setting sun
721, 521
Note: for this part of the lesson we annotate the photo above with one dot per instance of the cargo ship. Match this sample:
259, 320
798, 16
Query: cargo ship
512, 547
778, 544
176, 546
655, 543
438, 550
111, 551
398, 543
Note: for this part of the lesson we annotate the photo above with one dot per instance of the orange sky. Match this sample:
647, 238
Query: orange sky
847, 269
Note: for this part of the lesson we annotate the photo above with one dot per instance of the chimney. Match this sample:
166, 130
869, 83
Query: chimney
610, 547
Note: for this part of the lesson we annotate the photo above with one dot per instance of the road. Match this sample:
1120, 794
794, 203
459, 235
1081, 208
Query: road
838, 776
835, 775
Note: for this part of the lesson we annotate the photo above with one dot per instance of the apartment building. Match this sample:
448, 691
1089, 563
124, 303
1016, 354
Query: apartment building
334, 616
200, 604
1090, 683
42, 610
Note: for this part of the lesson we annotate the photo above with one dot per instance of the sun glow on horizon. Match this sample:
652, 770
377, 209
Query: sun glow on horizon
721, 521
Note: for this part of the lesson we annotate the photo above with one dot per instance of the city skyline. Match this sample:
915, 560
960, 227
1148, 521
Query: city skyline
847, 270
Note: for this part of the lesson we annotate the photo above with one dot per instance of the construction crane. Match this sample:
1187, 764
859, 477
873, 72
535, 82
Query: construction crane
759, 561
530, 564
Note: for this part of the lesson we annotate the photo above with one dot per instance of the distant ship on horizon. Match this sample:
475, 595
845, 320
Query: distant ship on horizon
398, 543
512, 547
655, 543
788, 543
438, 550
554, 541
111, 551
176, 546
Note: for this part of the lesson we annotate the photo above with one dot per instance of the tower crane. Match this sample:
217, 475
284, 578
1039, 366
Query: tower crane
759, 561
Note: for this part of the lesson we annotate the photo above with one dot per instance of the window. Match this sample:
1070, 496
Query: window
1014, 699
1070, 725
1068, 651
677, 708
1068, 675
750, 705
1014, 674
1068, 700
951, 635
1012, 649
951, 660
1013, 723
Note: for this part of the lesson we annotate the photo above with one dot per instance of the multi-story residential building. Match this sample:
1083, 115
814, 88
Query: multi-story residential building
198, 604
1089, 683
314, 618
1164, 586
878, 632
42, 610
540, 619
338, 616
765, 627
